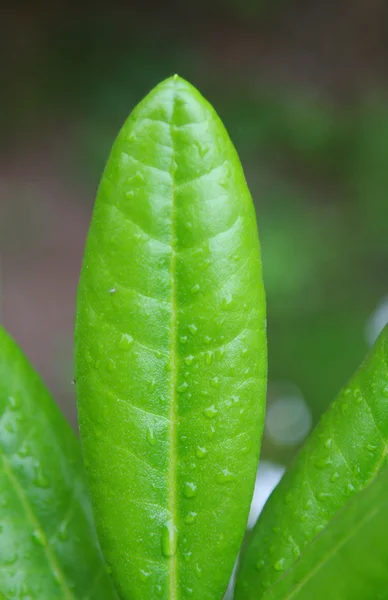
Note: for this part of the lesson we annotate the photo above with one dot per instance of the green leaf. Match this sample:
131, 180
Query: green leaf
342, 456
348, 561
48, 547
171, 351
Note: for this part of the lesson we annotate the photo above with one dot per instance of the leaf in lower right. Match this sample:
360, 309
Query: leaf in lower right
342, 456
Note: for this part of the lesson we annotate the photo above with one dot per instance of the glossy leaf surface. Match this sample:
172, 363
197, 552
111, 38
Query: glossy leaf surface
342, 456
48, 546
348, 561
171, 351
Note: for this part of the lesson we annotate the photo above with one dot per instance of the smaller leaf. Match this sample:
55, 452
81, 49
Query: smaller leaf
48, 547
348, 561
342, 456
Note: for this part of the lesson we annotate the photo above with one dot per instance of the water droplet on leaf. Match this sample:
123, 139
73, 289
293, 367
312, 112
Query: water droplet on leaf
210, 412
280, 564
225, 476
169, 539
190, 518
151, 439
200, 452
38, 537
126, 341
190, 489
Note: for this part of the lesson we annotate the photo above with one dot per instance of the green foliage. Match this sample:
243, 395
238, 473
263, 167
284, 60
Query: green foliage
348, 561
171, 372
171, 350
48, 548
342, 456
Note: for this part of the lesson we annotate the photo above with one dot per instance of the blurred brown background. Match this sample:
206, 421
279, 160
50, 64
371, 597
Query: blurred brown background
302, 88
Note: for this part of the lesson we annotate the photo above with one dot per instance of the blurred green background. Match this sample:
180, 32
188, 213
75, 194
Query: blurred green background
302, 88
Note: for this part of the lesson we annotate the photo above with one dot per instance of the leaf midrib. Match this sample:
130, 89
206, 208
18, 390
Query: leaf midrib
33, 519
172, 479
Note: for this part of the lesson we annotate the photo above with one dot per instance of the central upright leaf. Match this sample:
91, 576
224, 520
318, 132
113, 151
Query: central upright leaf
171, 351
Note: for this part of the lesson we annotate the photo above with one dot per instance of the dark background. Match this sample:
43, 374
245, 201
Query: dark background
302, 88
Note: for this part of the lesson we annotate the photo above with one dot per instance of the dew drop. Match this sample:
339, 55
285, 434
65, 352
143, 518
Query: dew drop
225, 476
280, 564
183, 387
193, 328
183, 339
187, 556
207, 339
210, 412
198, 571
144, 575
371, 448
211, 431
109, 569
190, 489
334, 477
323, 463
260, 565
38, 537
215, 382
40, 480
189, 360
209, 357
200, 452
318, 529
324, 496
195, 289
328, 443
169, 539
190, 518
150, 436
112, 291
385, 390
